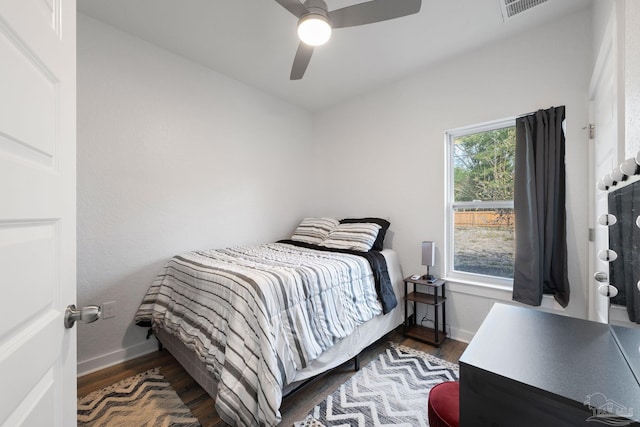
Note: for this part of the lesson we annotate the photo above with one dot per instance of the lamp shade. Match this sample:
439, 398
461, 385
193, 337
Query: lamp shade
314, 29
428, 253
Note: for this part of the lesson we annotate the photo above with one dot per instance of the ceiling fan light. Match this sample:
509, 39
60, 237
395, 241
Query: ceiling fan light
314, 29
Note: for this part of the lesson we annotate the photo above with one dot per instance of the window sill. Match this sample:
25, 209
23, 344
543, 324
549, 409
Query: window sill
497, 292
477, 288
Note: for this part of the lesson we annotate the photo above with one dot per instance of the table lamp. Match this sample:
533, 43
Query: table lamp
428, 258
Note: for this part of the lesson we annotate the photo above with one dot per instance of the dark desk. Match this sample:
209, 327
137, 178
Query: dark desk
529, 368
629, 342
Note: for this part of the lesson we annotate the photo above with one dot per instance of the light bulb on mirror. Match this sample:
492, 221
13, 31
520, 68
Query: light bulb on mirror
607, 219
608, 180
601, 276
602, 186
629, 167
617, 174
608, 291
607, 255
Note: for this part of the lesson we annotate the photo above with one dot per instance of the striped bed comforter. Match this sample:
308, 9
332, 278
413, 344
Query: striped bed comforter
257, 314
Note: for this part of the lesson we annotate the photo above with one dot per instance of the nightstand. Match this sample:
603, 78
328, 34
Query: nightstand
425, 293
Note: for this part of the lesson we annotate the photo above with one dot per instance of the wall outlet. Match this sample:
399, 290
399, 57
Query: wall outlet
108, 310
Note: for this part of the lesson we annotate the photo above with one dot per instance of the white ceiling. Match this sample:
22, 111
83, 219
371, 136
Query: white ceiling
254, 41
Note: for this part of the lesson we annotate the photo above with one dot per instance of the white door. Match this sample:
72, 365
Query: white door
37, 212
604, 96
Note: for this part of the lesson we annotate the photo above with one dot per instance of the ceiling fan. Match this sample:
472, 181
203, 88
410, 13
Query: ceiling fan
315, 22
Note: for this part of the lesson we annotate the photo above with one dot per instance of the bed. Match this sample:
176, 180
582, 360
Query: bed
250, 323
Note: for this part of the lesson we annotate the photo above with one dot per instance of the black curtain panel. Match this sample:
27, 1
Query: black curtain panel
539, 203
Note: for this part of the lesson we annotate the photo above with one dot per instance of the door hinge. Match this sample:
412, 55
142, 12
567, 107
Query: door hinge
592, 235
592, 131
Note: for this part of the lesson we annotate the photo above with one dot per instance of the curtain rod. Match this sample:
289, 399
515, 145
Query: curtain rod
533, 112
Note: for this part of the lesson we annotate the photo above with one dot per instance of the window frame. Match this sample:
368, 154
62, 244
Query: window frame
451, 205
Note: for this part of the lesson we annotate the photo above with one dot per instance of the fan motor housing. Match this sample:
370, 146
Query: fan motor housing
316, 7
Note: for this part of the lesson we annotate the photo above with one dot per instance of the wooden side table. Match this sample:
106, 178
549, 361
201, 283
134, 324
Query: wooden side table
430, 296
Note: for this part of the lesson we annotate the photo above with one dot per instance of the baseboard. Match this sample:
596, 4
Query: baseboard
104, 361
460, 335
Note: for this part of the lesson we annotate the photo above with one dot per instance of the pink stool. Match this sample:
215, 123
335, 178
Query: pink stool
444, 405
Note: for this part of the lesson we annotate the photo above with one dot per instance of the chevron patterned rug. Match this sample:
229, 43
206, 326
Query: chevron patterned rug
146, 399
392, 390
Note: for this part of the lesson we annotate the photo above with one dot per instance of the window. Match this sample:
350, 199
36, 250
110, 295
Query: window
480, 223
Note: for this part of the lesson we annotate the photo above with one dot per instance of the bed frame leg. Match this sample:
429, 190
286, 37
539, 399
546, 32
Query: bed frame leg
150, 334
356, 362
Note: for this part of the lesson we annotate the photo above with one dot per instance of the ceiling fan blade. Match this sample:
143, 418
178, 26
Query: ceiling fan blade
301, 61
373, 11
293, 6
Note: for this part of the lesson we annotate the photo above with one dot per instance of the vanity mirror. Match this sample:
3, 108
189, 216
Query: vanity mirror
624, 240
623, 254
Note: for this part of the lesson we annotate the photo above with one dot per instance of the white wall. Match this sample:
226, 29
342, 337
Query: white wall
632, 77
384, 153
602, 10
171, 157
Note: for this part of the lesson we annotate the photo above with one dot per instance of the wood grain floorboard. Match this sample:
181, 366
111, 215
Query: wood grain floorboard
294, 407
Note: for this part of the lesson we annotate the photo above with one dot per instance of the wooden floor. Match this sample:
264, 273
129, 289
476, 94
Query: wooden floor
294, 407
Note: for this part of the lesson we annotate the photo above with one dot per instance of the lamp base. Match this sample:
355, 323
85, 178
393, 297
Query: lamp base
429, 278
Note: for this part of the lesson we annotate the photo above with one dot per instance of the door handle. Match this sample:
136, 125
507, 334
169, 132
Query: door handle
608, 291
87, 314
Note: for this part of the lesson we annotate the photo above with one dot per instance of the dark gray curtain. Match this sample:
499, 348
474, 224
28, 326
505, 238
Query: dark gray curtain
539, 203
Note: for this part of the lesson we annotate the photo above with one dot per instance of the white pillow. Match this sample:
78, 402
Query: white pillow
314, 230
355, 237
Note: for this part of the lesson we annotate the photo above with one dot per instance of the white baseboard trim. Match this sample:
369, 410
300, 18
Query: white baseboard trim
104, 361
149, 346
460, 335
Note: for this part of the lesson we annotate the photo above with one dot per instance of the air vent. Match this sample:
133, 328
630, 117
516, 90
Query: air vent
511, 8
